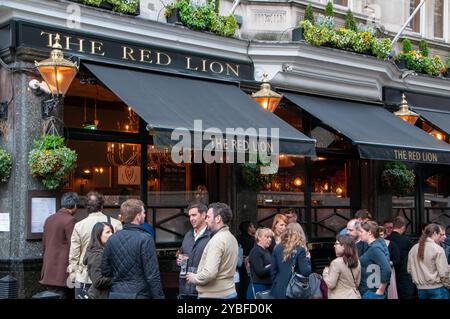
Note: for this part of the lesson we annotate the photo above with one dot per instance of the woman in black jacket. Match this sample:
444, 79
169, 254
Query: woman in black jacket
291, 251
100, 285
260, 259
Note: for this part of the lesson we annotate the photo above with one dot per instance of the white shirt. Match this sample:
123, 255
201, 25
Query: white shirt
198, 234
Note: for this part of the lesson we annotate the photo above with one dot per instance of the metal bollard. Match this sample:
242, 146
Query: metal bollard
8, 288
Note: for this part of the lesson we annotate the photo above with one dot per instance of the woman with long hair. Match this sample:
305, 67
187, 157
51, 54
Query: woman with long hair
279, 224
428, 266
93, 259
375, 266
260, 259
292, 251
344, 273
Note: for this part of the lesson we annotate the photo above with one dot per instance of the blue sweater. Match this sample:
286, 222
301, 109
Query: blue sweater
375, 257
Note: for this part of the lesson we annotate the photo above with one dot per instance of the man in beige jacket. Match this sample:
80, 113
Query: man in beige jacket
79, 242
428, 266
215, 275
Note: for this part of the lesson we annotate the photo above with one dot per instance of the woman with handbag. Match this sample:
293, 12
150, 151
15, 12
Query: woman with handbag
291, 252
344, 273
260, 259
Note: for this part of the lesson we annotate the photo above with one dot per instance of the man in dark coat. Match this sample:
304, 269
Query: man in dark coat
130, 258
405, 286
247, 241
194, 243
56, 245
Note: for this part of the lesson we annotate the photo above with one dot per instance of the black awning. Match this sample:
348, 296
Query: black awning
440, 119
377, 133
168, 102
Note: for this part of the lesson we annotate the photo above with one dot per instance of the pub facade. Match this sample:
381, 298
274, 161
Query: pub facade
141, 80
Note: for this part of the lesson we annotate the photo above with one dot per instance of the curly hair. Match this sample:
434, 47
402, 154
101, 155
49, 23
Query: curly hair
293, 237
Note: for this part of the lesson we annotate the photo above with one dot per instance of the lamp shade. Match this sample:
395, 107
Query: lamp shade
405, 113
265, 97
56, 71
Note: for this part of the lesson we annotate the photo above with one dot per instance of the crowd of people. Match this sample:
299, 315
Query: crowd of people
102, 257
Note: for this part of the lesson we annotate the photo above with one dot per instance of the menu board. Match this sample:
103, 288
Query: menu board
173, 178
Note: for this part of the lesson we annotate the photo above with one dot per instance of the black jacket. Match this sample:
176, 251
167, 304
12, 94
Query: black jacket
404, 245
259, 258
130, 259
100, 285
194, 249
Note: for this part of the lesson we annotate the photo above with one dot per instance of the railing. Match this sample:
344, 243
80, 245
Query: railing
441, 214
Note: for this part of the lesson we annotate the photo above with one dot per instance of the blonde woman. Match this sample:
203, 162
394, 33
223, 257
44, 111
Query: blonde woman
279, 224
344, 274
260, 261
428, 266
292, 250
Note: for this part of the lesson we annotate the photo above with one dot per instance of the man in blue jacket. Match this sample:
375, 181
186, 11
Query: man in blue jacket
130, 258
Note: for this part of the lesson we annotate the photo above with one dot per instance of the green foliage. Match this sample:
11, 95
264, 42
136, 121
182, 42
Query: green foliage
200, 17
433, 66
406, 43
92, 2
309, 14
398, 179
224, 25
350, 22
124, 6
51, 160
423, 48
5, 165
381, 47
329, 11
363, 43
251, 173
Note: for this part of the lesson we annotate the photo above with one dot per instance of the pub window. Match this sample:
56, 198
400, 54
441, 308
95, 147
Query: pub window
113, 169
89, 105
331, 207
405, 206
437, 198
439, 19
415, 22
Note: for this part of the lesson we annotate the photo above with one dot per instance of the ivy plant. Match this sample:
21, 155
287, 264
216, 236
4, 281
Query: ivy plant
5, 165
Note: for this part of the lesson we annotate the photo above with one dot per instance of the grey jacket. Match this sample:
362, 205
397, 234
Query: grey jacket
194, 249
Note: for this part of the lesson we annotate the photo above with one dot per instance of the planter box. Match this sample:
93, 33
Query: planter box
107, 6
401, 64
174, 17
297, 34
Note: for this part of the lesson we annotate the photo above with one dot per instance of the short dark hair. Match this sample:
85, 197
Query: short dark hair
223, 210
96, 235
202, 208
399, 222
388, 221
130, 208
69, 200
244, 226
363, 214
94, 202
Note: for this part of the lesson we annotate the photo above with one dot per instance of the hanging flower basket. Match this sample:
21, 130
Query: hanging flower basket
251, 174
51, 160
398, 179
5, 165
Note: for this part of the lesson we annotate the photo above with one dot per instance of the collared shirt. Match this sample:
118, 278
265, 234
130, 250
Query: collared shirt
199, 233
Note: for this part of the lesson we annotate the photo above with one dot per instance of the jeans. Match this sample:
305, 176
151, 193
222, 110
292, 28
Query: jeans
436, 293
372, 295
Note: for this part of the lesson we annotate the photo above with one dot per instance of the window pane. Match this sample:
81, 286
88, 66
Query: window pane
415, 22
343, 3
437, 198
97, 171
89, 104
439, 19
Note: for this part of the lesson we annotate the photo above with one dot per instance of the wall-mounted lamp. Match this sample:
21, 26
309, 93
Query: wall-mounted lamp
298, 182
405, 113
438, 135
57, 73
265, 97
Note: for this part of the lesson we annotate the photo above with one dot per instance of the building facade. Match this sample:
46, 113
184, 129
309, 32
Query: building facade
140, 76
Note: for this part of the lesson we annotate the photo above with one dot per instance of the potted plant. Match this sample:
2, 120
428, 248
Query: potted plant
397, 179
251, 174
5, 165
298, 33
400, 60
445, 72
51, 160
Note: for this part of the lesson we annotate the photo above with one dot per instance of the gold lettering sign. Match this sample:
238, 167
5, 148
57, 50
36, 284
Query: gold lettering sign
416, 156
135, 54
